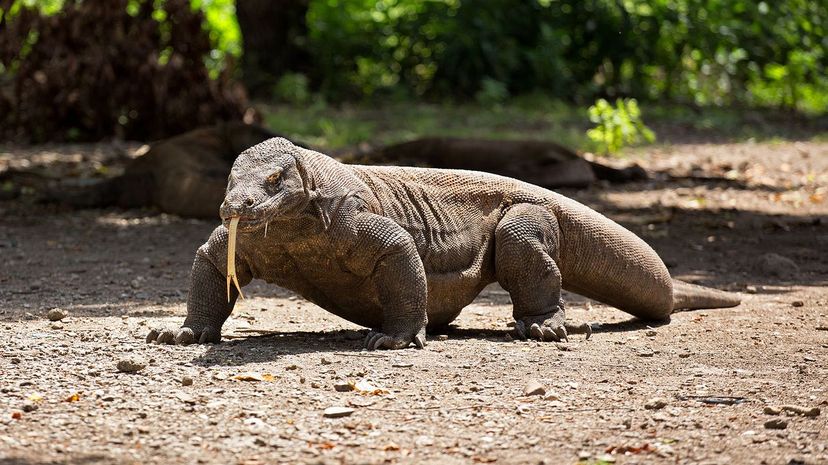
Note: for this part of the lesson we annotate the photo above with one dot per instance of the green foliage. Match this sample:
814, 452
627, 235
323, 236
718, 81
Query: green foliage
293, 88
492, 92
702, 52
617, 126
221, 24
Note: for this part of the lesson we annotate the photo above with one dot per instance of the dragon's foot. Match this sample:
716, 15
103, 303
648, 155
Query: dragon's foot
379, 340
184, 335
549, 328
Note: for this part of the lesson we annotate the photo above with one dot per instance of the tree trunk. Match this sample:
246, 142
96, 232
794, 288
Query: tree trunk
274, 41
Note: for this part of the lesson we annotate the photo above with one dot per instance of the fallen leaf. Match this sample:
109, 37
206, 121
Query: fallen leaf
367, 389
254, 376
646, 447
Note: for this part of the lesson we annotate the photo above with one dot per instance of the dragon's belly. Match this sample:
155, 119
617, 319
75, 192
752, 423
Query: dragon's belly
325, 281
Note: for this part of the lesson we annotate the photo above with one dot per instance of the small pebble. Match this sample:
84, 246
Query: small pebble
186, 381
130, 365
56, 314
534, 388
656, 403
797, 303
337, 412
29, 407
442, 337
776, 423
651, 333
770, 410
645, 353
56, 325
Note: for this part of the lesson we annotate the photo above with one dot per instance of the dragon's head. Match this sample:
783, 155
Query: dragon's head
266, 183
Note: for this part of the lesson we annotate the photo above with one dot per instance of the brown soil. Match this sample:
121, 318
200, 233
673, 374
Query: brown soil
712, 373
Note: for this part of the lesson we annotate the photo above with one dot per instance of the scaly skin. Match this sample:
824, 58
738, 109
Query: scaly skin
401, 249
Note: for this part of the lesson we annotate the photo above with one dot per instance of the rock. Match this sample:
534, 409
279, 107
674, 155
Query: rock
343, 386
776, 423
777, 265
442, 337
797, 303
337, 412
645, 352
656, 403
131, 365
56, 314
534, 388
770, 410
29, 407
651, 333
56, 325
567, 346
186, 381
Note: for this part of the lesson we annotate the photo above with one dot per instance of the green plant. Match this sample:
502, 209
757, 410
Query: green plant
617, 126
293, 88
492, 92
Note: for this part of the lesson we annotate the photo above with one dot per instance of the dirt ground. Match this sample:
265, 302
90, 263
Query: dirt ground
696, 390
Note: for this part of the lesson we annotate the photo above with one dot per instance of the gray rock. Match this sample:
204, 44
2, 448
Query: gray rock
656, 403
337, 412
56, 314
131, 365
534, 388
774, 264
776, 423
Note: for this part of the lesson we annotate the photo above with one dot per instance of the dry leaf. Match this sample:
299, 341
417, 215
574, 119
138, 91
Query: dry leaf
254, 376
367, 389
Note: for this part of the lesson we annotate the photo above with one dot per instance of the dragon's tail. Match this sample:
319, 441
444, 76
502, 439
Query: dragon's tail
688, 296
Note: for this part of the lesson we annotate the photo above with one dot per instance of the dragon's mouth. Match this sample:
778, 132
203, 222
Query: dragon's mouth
247, 223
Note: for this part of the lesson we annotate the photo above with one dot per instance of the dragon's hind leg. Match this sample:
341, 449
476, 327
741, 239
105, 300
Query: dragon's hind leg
526, 250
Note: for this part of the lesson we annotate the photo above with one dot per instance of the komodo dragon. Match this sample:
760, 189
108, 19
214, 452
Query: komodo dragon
186, 174
542, 163
399, 249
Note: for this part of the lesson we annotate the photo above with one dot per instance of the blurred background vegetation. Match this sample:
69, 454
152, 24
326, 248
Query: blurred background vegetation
319, 69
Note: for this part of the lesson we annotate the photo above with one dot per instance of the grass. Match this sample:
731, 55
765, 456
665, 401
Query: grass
330, 127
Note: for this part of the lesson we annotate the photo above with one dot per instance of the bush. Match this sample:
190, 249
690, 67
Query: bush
693, 51
617, 126
293, 88
126, 68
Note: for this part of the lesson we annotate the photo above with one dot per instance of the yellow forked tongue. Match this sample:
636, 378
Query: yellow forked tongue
231, 257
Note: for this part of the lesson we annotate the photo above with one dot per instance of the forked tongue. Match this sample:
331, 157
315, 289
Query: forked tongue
231, 257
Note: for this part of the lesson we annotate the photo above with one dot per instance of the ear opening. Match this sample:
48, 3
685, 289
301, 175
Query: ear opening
323, 208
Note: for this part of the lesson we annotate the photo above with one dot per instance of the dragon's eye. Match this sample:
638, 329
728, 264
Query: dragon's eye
275, 179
